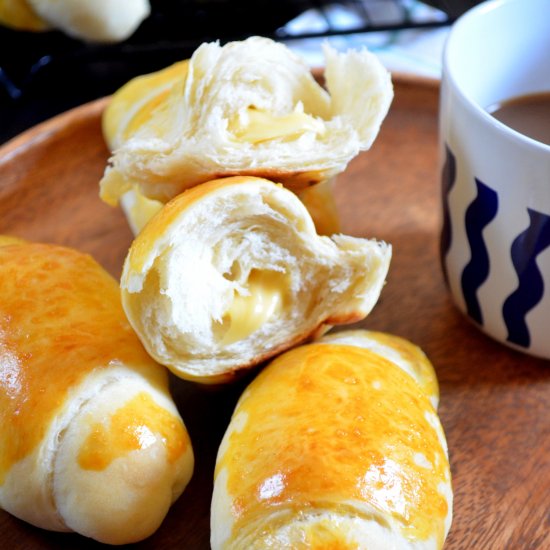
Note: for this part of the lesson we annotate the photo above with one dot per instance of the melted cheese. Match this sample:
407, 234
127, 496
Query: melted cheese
137, 425
256, 126
249, 312
60, 319
336, 424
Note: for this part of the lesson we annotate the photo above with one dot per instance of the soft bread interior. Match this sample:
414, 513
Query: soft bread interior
232, 272
253, 107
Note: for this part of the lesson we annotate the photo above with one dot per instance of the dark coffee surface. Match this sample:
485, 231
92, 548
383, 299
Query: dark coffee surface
527, 114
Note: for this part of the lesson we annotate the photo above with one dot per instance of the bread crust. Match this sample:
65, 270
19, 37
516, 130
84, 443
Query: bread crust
332, 445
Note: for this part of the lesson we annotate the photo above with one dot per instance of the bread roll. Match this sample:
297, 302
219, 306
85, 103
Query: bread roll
231, 272
332, 446
90, 439
133, 106
253, 108
93, 20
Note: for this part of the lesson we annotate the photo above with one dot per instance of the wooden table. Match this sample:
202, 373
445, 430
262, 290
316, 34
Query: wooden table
495, 402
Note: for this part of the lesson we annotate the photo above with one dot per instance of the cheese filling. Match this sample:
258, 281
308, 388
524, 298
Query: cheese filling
255, 125
249, 312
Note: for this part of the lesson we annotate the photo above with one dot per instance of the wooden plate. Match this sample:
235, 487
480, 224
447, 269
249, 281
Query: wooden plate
495, 403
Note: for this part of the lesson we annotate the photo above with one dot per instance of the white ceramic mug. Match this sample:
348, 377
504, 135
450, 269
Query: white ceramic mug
495, 242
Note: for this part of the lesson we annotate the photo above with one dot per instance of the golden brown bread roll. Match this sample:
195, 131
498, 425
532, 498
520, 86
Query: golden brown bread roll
332, 446
232, 272
90, 439
252, 108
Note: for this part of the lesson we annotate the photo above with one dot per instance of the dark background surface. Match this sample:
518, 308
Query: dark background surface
43, 74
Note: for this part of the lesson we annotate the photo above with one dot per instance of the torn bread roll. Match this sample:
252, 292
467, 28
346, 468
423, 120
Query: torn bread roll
253, 108
132, 107
90, 439
232, 272
332, 446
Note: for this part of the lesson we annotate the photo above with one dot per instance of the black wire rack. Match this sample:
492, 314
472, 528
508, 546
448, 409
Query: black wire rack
329, 18
42, 74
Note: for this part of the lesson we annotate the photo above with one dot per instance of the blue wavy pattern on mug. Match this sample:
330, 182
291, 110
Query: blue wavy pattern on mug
481, 212
524, 251
448, 178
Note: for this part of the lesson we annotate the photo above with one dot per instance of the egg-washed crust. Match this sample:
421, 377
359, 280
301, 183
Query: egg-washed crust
6, 240
73, 371
132, 105
332, 443
319, 201
402, 352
